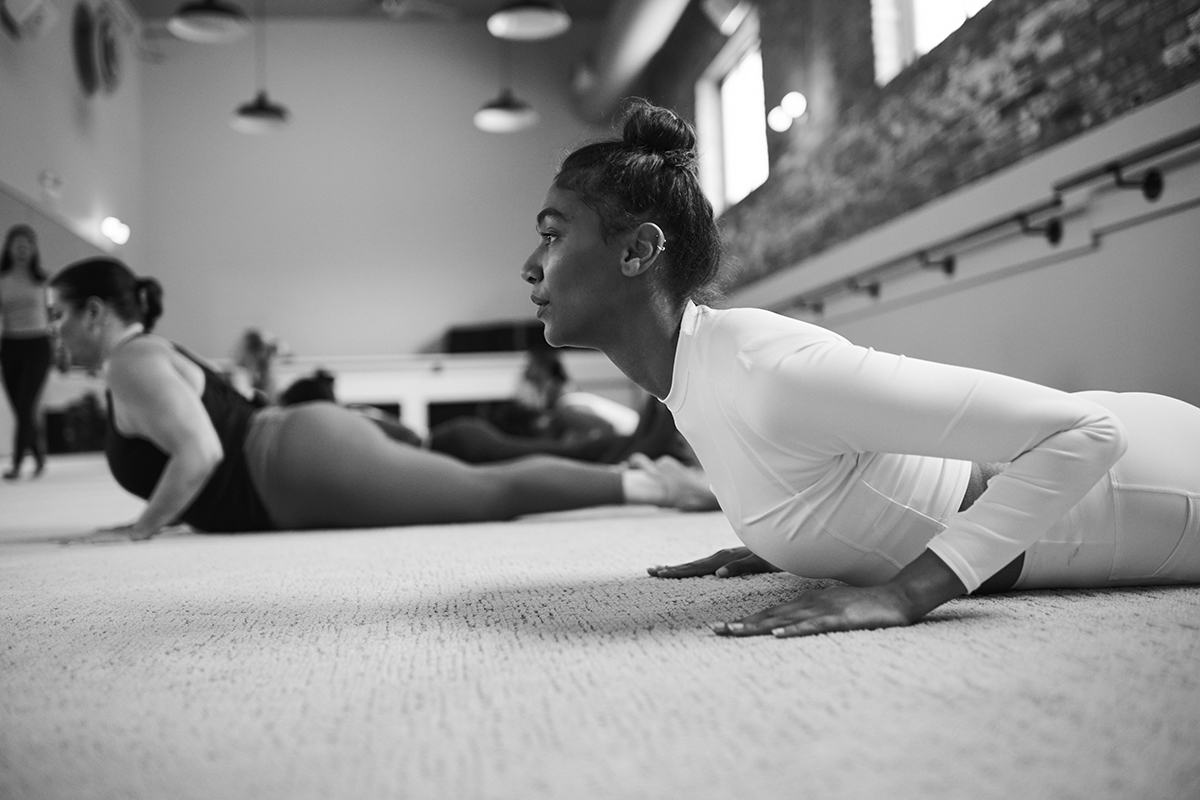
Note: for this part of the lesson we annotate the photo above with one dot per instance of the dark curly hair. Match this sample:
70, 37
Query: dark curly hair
133, 299
650, 175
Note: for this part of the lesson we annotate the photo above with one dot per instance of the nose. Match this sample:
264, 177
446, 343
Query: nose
531, 272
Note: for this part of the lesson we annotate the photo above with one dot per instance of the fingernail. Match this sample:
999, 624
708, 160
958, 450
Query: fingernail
735, 626
778, 631
717, 627
722, 573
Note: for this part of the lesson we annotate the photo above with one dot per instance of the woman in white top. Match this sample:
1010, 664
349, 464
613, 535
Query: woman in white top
25, 350
911, 481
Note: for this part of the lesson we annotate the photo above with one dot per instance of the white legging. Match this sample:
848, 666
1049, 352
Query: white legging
1141, 524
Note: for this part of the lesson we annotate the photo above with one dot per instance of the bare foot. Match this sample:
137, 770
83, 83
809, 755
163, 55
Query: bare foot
685, 488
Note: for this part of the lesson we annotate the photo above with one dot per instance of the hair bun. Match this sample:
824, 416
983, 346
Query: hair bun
661, 131
149, 295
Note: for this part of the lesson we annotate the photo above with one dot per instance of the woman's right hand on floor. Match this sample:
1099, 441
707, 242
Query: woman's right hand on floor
725, 563
119, 533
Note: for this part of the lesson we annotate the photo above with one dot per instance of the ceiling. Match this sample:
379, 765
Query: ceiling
347, 9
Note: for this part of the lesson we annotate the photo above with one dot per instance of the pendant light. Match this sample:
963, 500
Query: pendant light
260, 115
506, 113
209, 22
529, 21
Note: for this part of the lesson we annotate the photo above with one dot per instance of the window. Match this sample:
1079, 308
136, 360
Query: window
743, 127
731, 119
904, 30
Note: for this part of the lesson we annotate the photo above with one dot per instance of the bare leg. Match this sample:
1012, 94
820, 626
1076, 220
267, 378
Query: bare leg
334, 468
477, 441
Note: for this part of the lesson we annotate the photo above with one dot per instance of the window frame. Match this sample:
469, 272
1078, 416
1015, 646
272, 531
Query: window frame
709, 118
900, 46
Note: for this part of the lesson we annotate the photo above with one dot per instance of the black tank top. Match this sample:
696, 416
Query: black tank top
228, 503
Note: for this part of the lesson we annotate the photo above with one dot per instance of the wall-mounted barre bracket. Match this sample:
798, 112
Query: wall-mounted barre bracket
1116, 166
946, 263
873, 288
1151, 183
1052, 230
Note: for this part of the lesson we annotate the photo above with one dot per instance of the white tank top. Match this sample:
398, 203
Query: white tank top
22, 305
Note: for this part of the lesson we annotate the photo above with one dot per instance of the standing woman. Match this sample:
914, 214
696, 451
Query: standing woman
913, 482
181, 437
25, 351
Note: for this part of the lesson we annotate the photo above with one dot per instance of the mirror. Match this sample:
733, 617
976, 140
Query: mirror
59, 246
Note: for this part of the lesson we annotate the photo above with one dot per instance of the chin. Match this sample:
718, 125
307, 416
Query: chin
82, 361
549, 334
554, 337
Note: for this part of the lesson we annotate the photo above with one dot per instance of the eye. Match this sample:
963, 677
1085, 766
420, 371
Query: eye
548, 236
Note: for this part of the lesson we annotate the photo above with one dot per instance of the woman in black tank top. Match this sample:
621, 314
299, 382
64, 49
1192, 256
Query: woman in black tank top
178, 437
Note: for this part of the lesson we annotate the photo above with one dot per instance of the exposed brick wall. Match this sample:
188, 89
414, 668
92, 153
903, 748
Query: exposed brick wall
1020, 76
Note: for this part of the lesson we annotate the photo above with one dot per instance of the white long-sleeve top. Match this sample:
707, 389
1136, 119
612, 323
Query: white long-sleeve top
834, 460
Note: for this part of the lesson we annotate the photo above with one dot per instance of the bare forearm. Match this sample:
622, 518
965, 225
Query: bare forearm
924, 585
916, 590
182, 480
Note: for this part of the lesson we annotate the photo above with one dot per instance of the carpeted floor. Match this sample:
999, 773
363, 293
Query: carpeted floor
536, 659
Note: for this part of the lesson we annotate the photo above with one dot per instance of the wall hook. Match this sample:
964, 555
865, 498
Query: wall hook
1151, 183
873, 288
1052, 230
946, 263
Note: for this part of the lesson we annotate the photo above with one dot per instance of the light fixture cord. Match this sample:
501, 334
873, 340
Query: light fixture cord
260, 46
506, 67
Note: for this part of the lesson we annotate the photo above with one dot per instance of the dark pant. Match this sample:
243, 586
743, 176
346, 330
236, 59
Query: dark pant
25, 363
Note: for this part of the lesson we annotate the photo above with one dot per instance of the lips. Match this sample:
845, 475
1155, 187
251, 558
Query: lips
539, 302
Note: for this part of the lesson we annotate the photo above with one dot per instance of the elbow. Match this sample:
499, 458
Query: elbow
1109, 435
209, 455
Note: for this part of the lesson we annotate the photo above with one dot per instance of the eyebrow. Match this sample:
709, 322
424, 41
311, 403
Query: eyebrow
551, 212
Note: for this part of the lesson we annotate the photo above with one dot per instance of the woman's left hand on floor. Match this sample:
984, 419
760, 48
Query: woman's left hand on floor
840, 608
116, 533
724, 564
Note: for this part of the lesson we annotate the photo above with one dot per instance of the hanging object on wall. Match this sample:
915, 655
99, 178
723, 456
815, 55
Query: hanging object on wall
96, 48
27, 19
51, 183
209, 22
83, 46
8, 22
529, 21
505, 114
260, 115
108, 51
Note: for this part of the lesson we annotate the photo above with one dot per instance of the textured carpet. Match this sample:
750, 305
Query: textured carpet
536, 659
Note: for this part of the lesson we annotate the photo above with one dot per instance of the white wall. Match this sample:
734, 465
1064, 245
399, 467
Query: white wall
381, 216
1114, 306
94, 144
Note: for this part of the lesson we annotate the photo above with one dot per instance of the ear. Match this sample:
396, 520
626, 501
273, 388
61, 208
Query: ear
645, 245
94, 311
